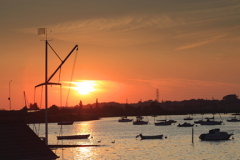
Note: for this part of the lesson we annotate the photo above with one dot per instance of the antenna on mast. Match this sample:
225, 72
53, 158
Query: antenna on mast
157, 95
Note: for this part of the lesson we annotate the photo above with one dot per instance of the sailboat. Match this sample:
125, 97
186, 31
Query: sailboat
125, 119
211, 121
233, 119
163, 122
188, 118
199, 121
139, 121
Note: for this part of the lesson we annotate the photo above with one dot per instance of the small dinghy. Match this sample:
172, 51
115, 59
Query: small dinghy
150, 137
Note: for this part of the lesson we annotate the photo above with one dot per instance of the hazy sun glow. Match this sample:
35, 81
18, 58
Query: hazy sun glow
84, 87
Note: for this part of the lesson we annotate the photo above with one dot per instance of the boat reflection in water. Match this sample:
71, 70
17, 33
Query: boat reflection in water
215, 134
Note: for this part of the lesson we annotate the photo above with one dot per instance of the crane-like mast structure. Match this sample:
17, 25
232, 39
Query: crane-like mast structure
47, 82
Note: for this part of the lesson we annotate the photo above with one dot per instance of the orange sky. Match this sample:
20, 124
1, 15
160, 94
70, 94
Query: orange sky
186, 49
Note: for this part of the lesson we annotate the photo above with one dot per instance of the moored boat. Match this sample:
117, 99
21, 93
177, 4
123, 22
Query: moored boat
215, 134
85, 136
150, 137
171, 121
185, 124
139, 121
211, 122
125, 119
65, 123
233, 120
163, 123
188, 118
199, 121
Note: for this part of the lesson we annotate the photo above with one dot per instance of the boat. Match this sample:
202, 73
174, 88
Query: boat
211, 122
139, 121
125, 119
85, 136
185, 124
215, 134
199, 121
150, 137
65, 123
171, 121
188, 118
233, 119
163, 123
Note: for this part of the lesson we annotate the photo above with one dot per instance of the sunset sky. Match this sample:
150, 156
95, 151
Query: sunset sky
127, 49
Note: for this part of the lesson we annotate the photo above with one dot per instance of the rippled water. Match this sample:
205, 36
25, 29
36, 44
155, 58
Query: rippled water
177, 145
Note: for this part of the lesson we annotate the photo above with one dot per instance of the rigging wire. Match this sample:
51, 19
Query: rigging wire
71, 76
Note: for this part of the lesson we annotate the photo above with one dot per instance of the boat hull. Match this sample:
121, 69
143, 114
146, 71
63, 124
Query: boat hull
125, 120
140, 122
73, 137
214, 137
65, 123
151, 137
212, 123
233, 120
163, 124
185, 125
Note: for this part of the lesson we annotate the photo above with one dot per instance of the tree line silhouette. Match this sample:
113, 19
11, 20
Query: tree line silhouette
229, 104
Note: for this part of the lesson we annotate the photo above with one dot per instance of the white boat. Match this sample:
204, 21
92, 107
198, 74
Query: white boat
125, 119
150, 137
215, 134
185, 124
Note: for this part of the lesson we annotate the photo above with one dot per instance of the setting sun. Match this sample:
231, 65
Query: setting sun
84, 87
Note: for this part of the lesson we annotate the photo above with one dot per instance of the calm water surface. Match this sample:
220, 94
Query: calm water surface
177, 145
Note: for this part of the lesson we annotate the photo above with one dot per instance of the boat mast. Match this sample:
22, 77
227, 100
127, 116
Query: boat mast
46, 83
46, 96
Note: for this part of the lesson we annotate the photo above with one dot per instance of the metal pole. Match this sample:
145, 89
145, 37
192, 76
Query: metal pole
9, 95
192, 135
46, 98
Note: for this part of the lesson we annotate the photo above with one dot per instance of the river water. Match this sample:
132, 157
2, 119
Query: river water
176, 144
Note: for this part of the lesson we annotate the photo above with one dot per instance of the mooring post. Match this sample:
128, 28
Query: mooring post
192, 135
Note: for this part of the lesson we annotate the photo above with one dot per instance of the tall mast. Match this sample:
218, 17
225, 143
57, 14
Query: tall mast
46, 97
46, 83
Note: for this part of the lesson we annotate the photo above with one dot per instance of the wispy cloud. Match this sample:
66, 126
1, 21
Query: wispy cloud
200, 43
